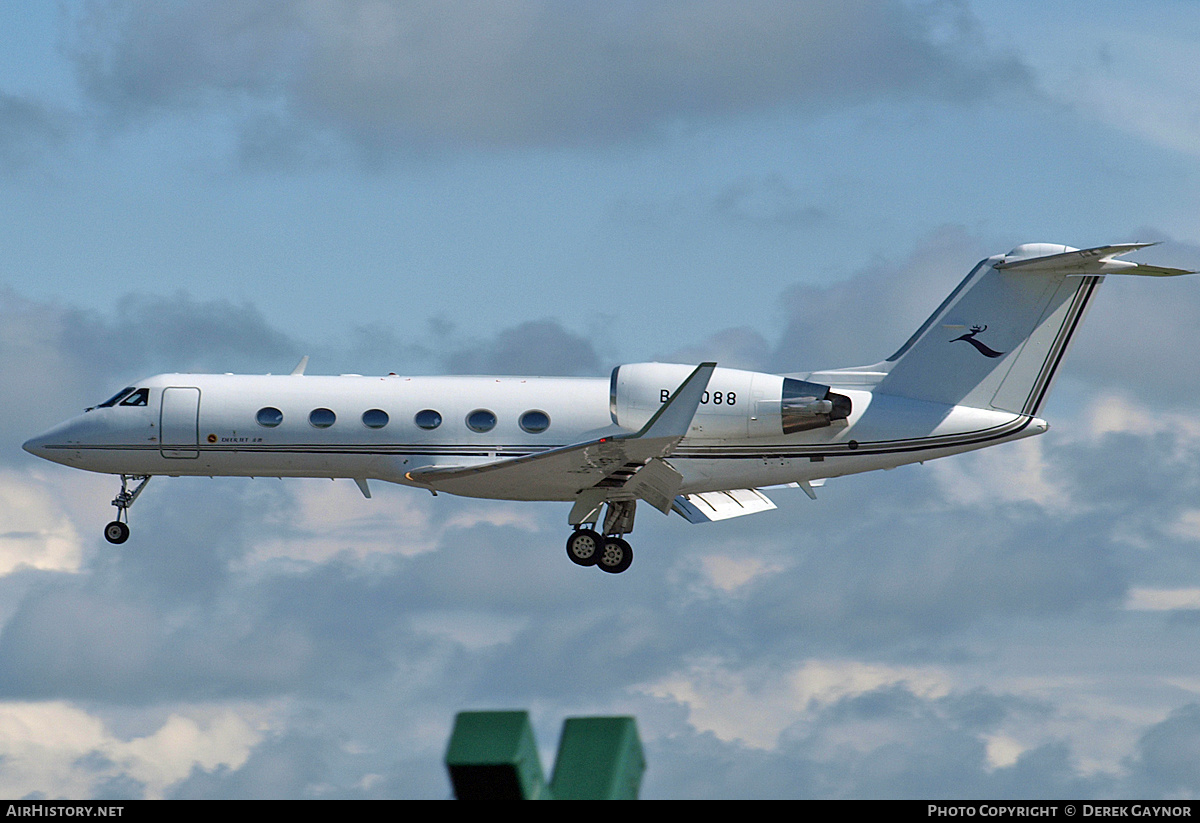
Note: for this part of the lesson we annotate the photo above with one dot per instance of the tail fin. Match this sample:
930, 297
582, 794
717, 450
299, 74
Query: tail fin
998, 339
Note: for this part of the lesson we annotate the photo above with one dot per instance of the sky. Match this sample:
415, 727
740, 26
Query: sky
557, 188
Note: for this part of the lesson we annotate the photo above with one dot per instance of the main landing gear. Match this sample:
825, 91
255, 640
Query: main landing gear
608, 552
118, 530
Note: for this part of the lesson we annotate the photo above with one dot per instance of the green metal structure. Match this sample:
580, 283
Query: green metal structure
492, 755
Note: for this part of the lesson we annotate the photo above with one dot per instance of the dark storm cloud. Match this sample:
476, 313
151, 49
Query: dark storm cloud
538, 72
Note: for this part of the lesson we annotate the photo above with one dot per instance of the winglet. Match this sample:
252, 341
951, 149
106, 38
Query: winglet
675, 416
301, 366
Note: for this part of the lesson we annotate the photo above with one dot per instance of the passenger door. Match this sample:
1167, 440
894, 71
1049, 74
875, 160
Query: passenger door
179, 428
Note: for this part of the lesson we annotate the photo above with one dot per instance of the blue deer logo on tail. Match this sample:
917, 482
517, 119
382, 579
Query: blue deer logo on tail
983, 349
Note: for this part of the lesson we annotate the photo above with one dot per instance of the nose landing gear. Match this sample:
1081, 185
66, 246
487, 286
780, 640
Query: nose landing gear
118, 530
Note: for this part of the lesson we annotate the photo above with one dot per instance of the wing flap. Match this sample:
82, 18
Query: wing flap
707, 507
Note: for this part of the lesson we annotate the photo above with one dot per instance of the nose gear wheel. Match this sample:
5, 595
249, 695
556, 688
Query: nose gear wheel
118, 530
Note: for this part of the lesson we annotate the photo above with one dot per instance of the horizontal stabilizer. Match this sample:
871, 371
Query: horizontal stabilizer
1085, 262
710, 506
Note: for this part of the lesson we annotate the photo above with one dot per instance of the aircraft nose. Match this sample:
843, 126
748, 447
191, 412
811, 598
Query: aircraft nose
49, 445
36, 445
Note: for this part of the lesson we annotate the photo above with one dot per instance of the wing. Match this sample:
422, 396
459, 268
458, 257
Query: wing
560, 474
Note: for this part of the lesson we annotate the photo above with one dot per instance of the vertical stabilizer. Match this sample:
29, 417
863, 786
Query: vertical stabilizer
998, 339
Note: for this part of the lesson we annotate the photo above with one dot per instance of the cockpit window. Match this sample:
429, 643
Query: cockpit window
138, 398
112, 401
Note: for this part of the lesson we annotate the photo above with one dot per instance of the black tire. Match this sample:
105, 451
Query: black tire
616, 555
583, 547
116, 532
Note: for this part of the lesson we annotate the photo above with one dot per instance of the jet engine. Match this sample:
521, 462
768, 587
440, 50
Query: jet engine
736, 404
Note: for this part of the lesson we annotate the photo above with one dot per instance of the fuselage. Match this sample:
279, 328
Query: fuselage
382, 428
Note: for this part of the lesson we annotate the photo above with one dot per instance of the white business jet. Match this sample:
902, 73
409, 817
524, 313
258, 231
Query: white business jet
699, 440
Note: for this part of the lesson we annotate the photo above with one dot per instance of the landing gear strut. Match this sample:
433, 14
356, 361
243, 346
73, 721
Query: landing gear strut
611, 552
118, 530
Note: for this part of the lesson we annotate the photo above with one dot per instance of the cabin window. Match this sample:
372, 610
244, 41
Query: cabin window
269, 416
138, 398
481, 420
427, 419
535, 422
375, 418
322, 418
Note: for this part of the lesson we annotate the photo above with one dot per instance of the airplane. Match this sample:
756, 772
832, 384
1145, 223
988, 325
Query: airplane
698, 440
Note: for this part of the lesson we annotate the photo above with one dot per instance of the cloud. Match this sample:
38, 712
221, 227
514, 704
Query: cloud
1139, 82
741, 348
39, 533
866, 318
1168, 762
390, 75
1147, 599
54, 750
754, 707
766, 202
537, 347
90, 355
889, 741
1017, 473
181, 333
28, 131
1138, 339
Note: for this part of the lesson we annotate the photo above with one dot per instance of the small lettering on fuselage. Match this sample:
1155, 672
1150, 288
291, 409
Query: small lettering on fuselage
717, 398
241, 439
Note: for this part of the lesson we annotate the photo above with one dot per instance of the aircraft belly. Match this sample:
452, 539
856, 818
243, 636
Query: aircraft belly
493, 489
720, 467
292, 464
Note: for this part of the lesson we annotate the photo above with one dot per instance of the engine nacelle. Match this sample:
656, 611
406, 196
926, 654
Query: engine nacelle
737, 404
